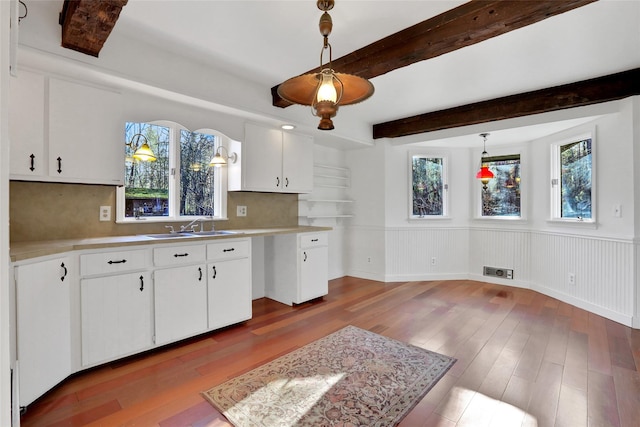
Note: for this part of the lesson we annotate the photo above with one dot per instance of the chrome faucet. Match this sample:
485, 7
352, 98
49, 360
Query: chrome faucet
191, 226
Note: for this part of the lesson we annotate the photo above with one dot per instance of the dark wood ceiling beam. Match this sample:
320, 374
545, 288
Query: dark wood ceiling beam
454, 29
586, 92
86, 24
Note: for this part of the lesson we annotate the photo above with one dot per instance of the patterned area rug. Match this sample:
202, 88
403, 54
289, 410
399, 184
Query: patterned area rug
351, 377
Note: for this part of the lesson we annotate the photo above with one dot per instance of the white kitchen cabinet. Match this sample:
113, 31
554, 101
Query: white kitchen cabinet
180, 292
26, 125
117, 316
297, 269
62, 131
229, 282
43, 317
271, 160
116, 304
86, 134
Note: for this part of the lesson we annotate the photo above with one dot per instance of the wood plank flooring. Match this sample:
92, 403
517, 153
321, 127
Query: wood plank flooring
524, 359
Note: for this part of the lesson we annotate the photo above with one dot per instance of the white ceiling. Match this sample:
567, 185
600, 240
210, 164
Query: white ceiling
269, 41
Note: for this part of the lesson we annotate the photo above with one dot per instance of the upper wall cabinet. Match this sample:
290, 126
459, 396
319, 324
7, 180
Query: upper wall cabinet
62, 131
272, 161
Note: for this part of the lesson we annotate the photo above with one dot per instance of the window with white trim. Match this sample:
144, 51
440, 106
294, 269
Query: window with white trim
179, 184
429, 187
572, 179
501, 197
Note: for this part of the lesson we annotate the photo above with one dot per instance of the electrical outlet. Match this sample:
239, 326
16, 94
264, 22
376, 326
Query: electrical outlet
368, 260
617, 211
433, 260
241, 211
571, 279
105, 213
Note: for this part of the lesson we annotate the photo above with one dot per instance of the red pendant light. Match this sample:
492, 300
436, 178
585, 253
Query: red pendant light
484, 174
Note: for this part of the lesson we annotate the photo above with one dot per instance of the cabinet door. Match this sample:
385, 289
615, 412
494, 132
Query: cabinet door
26, 125
43, 326
313, 282
180, 302
116, 316
86, 134
262, 159
229, 292
297, 163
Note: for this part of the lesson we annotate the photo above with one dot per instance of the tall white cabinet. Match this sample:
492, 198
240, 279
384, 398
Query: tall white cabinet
43, 325
271, 160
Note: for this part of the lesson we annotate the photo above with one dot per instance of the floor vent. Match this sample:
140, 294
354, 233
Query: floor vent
503, 273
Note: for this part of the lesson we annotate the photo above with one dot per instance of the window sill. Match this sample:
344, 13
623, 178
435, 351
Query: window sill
429, 218
591, 224
501, 218
160, 220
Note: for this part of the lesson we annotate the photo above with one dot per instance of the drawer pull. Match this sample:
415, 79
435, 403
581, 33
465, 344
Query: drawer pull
215, 273
141, 283
314, 240
180, 255
65, 272
200, 271
228, 250
122, 261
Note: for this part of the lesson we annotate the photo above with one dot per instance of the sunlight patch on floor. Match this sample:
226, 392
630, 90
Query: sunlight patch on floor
301, 392
468, 407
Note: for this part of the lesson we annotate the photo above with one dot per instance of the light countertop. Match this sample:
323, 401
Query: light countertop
21, 251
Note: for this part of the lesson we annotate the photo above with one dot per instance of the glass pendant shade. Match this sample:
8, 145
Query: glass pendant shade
144, 154
326, 90
484, 175
217, 161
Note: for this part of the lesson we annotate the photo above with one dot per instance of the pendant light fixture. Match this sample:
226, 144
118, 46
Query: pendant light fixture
327, 90
484, 174
144, 152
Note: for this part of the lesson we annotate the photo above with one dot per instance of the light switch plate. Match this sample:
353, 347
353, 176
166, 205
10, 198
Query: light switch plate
105, 213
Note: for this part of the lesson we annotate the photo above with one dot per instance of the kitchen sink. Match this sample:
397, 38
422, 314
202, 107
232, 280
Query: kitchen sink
192, 234
213, 233
168, 235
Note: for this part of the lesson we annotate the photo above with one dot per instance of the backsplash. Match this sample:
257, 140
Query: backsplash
52, 211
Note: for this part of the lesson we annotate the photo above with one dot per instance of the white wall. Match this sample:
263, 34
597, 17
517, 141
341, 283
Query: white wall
542, 253
5, 365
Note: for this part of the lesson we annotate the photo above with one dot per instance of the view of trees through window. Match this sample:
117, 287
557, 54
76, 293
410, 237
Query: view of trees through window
427, 186
502, 196
575, 179
148, 192
196, 176
147, 183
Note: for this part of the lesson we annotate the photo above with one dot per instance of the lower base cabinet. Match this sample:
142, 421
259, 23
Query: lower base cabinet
297, 269
180, 302
229, 292
117, 316
43, 334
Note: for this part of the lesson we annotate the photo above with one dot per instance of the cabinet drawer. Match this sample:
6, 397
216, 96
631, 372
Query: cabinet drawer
113, 262
310, 240
228, 249
184, 254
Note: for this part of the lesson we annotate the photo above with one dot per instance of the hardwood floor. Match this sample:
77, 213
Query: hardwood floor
524, 359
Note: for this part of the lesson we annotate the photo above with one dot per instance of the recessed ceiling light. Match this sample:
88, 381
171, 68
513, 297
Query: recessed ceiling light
288, 127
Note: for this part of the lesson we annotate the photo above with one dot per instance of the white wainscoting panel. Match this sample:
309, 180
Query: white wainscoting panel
603, 269
365, 254
426, 253
501, 249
